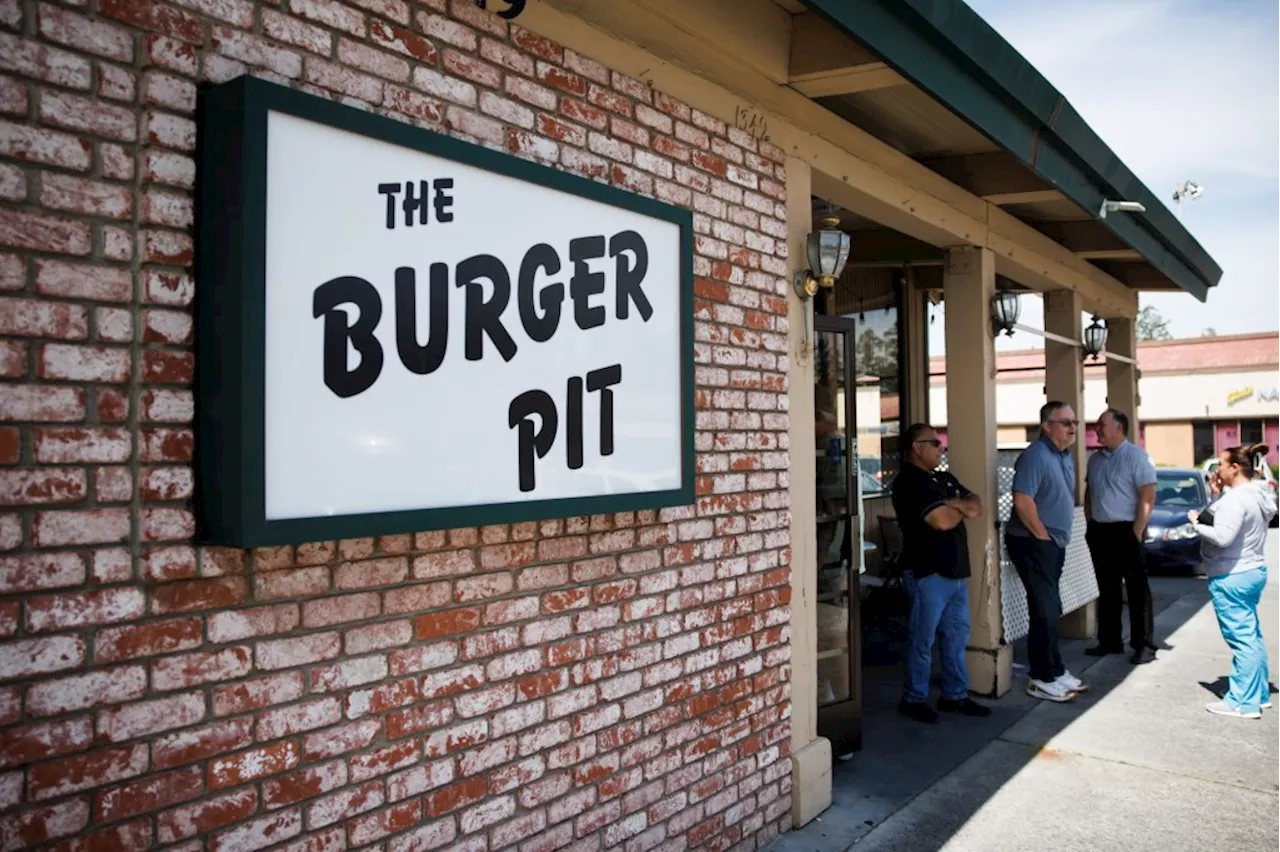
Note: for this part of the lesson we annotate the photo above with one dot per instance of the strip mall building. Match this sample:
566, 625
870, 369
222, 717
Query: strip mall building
409, 407
1198, 396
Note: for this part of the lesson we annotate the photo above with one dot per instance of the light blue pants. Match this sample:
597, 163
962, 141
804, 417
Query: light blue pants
939, 606
1235, 600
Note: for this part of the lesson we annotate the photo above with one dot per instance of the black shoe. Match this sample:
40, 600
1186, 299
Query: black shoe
1104, 650
918, 710
1143, 655
964, 706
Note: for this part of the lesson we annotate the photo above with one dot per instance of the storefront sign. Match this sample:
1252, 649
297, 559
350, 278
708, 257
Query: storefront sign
1240, 395
402, 331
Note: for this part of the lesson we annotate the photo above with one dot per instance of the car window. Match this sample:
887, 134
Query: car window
1178, 490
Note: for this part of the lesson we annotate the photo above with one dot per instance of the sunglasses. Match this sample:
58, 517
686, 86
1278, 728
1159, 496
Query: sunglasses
933, 442
1071, 423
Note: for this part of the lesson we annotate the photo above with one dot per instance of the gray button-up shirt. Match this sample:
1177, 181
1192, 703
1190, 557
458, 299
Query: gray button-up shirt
1114, 477
1047, 475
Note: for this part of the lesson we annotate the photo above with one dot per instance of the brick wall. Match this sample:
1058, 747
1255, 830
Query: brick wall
618, 681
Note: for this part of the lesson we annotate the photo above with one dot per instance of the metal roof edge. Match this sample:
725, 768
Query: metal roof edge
949, 51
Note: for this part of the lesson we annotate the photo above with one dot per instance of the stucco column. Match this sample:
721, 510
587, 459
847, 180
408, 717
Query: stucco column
969, 280
1064, 380
1122, 377
810, 754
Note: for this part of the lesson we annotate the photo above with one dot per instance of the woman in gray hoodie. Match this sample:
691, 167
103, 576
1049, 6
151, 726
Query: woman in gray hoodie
1233, 549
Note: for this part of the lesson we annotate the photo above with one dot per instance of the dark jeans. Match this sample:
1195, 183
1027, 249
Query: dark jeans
1119, 558
1039, 564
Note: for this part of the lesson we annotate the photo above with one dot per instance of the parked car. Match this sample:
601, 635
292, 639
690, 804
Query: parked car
1262, 471
1172, 542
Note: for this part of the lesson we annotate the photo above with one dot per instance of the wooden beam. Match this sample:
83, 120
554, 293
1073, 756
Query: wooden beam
851, 167
826, 62
847, 81
883, 246
995, 177
1110, 254
1031, 196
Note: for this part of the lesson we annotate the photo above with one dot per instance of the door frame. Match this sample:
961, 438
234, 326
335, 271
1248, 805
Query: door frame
841, 723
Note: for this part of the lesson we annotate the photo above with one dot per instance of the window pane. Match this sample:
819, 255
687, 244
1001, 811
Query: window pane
1202, 440
1250, 432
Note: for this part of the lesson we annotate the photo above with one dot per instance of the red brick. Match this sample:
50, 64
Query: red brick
41, 403
84, 609
331, 14
448, 623
33, 827
13, 358
30, 59
335, 741
200, 743
204, 816
147, 640
187, 670
399, 39
75, 444
375, 637
235, 625
229, 770
166, 483
129, 835
85, 197
14, 95
35, 572
35, 318
163, 564
10, 445
29, 743
256, 694
83, 281
150, 717
454, 796
290, 30
175, 328
304, 784
345, 803
165, 367
84, 772
42, 486
44, 146
385, 822
84, 363
150, 794
152, 16
89, 526
338, 610
90, 116
287, 653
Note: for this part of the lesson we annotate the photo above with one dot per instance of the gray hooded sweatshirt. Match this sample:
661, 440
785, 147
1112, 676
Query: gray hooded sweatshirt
1237, 540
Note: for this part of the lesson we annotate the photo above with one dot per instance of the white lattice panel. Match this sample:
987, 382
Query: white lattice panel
1078, 586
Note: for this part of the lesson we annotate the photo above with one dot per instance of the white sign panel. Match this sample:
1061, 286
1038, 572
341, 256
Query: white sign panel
449, 335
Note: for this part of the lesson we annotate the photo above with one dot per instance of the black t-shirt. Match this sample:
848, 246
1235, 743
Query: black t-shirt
925, 550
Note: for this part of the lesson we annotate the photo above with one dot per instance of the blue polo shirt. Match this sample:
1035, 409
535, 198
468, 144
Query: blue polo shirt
1115, 477
1048, 476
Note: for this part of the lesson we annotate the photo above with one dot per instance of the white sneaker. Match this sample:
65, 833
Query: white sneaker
1266, 704
1072, 683
1222, 708
1050, 691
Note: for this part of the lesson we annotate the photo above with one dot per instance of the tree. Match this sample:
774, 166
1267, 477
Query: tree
1209, 332
1152, 326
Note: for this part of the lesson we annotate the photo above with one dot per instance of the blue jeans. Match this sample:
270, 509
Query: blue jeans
938, 606
1235, 600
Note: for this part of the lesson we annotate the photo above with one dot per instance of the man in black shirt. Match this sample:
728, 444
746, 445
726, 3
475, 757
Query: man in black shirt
931, 506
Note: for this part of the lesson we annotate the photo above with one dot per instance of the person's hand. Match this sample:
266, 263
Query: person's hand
1215, 484
1045, 537
1137, 532
1193, 517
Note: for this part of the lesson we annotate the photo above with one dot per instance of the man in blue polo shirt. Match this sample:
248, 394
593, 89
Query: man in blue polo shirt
1036, 537
1118, 498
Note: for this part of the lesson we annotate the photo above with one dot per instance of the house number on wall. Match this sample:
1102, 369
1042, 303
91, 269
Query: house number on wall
515, 8
749, 121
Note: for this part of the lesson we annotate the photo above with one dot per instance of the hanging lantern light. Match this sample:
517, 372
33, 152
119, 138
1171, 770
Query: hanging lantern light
828, 252
1005, 307
1095, 338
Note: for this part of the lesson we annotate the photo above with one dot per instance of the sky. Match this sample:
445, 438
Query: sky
1179, 90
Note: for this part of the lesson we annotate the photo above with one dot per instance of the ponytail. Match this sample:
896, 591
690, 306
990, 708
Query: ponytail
1244, 456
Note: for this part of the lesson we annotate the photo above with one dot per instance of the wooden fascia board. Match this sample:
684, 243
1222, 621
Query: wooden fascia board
847, 81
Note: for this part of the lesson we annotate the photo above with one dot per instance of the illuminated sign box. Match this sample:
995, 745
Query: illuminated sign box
402, 331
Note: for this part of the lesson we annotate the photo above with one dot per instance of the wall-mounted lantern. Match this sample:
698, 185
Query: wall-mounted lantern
1005, 307
828, 251
1095, 339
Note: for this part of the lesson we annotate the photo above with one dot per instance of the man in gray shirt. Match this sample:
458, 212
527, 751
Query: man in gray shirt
1036, 538
1118, 498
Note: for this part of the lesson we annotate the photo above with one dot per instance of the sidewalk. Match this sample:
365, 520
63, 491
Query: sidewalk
1135, 764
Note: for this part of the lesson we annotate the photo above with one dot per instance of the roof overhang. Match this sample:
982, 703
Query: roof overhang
948, 51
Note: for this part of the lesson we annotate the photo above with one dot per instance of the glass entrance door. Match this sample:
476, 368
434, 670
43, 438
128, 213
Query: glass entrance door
839, 534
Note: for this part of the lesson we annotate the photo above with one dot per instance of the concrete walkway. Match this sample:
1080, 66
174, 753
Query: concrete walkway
1136, 764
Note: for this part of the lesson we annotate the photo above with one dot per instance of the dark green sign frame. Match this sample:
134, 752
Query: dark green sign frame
231, 322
